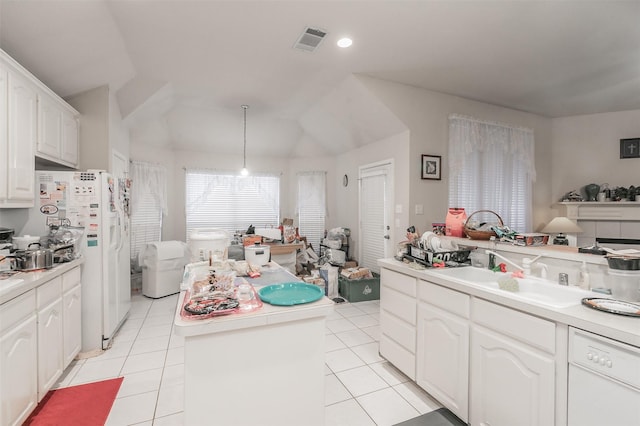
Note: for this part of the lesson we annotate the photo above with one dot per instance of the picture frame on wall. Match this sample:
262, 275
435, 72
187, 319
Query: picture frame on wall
630, 148
431, 167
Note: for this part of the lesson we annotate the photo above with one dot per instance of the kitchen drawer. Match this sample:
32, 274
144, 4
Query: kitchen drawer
401, 358
398, 330
442, 297
70, 279
399, 282
17, 310
48, 292
534, 331
398, 304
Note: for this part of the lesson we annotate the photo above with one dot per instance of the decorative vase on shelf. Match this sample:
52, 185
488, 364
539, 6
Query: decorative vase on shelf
592, 191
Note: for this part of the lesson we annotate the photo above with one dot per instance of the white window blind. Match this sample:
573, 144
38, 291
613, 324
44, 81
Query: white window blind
216, 199
148, 203
492, 167
312, 206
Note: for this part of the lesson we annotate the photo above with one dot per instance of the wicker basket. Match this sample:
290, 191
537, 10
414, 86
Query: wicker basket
474, 234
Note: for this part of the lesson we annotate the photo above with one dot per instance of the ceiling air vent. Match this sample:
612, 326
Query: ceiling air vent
310, 39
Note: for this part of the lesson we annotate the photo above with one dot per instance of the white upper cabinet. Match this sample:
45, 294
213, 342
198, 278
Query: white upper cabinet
57, 131
18, 165
70, 129
4, 133
49, 127
34, 121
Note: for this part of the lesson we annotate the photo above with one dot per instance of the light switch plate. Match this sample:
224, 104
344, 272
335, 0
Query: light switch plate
419, 209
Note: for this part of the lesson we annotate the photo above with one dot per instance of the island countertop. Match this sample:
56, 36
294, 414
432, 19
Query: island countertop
267, 314
263, 356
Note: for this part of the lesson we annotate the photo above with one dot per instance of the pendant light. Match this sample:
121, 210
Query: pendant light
244, 171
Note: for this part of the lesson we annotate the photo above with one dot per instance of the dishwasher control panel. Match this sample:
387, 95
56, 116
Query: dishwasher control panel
605, 356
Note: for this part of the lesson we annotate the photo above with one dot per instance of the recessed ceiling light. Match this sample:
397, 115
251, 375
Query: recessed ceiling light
345, 42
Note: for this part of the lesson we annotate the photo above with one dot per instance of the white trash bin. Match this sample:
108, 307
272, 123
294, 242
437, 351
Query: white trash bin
162, 267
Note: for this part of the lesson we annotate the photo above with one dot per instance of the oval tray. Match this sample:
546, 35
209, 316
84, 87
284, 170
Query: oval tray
288, 294
613, 306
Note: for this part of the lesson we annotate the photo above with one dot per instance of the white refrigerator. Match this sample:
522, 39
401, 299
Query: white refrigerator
97, 202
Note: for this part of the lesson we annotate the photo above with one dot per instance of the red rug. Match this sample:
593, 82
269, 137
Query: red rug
86, 405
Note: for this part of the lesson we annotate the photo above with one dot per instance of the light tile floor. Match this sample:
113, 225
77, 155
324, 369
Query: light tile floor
361, 389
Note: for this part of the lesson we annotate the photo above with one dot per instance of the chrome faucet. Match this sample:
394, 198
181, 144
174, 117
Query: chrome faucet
493, 253
527, 263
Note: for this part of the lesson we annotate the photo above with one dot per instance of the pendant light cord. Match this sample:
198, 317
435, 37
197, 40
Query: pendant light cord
244, 152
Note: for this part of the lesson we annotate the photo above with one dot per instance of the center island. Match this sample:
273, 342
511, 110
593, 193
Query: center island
264, 367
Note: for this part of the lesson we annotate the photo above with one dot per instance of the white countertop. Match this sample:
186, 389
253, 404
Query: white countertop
266, 315
22, 282
617, 327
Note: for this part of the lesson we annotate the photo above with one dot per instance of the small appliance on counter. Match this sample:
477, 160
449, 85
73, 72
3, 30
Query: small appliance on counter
209, 244
6, 234
257, 254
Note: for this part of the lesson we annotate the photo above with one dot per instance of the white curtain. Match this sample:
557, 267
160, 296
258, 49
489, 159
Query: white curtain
312, 206
148, 178
148, 205
492, 167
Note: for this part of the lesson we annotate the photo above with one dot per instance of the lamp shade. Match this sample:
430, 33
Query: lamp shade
561, 225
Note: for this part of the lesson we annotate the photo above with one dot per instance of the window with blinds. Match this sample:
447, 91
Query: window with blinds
312, 207
146, 224
227, 201
492, 167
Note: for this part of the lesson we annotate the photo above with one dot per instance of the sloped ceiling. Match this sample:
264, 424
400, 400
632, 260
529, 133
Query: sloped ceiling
181, 69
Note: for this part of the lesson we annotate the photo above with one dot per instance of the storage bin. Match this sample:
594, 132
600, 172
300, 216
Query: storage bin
360, 290
162, 267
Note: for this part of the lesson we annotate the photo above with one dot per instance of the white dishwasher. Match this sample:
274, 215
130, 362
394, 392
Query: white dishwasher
604, 381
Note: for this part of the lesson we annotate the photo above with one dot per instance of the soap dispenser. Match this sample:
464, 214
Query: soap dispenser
583, 278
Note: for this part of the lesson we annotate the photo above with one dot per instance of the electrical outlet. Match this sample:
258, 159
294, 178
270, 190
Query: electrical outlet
419, 209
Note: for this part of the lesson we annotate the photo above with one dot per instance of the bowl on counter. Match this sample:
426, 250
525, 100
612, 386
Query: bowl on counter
624, 263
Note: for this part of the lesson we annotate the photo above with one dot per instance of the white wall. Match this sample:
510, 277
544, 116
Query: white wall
342, 202
425, 113
174, 224
347, 198
586, 149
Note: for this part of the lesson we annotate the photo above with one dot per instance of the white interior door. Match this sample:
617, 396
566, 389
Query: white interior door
376, 199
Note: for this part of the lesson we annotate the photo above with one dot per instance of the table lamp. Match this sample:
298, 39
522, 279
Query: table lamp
561, 225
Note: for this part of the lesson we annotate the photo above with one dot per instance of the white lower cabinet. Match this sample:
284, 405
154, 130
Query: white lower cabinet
72, 330
18, 359
39, 337
71, 315
50, 363
510, 383
443, 346
489, 364
512, 368
398, 320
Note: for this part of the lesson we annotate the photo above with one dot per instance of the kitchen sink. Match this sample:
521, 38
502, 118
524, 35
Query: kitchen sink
531, 289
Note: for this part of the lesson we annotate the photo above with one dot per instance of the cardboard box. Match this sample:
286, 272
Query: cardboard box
531, 239
356, 273
359, 290
251, 240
